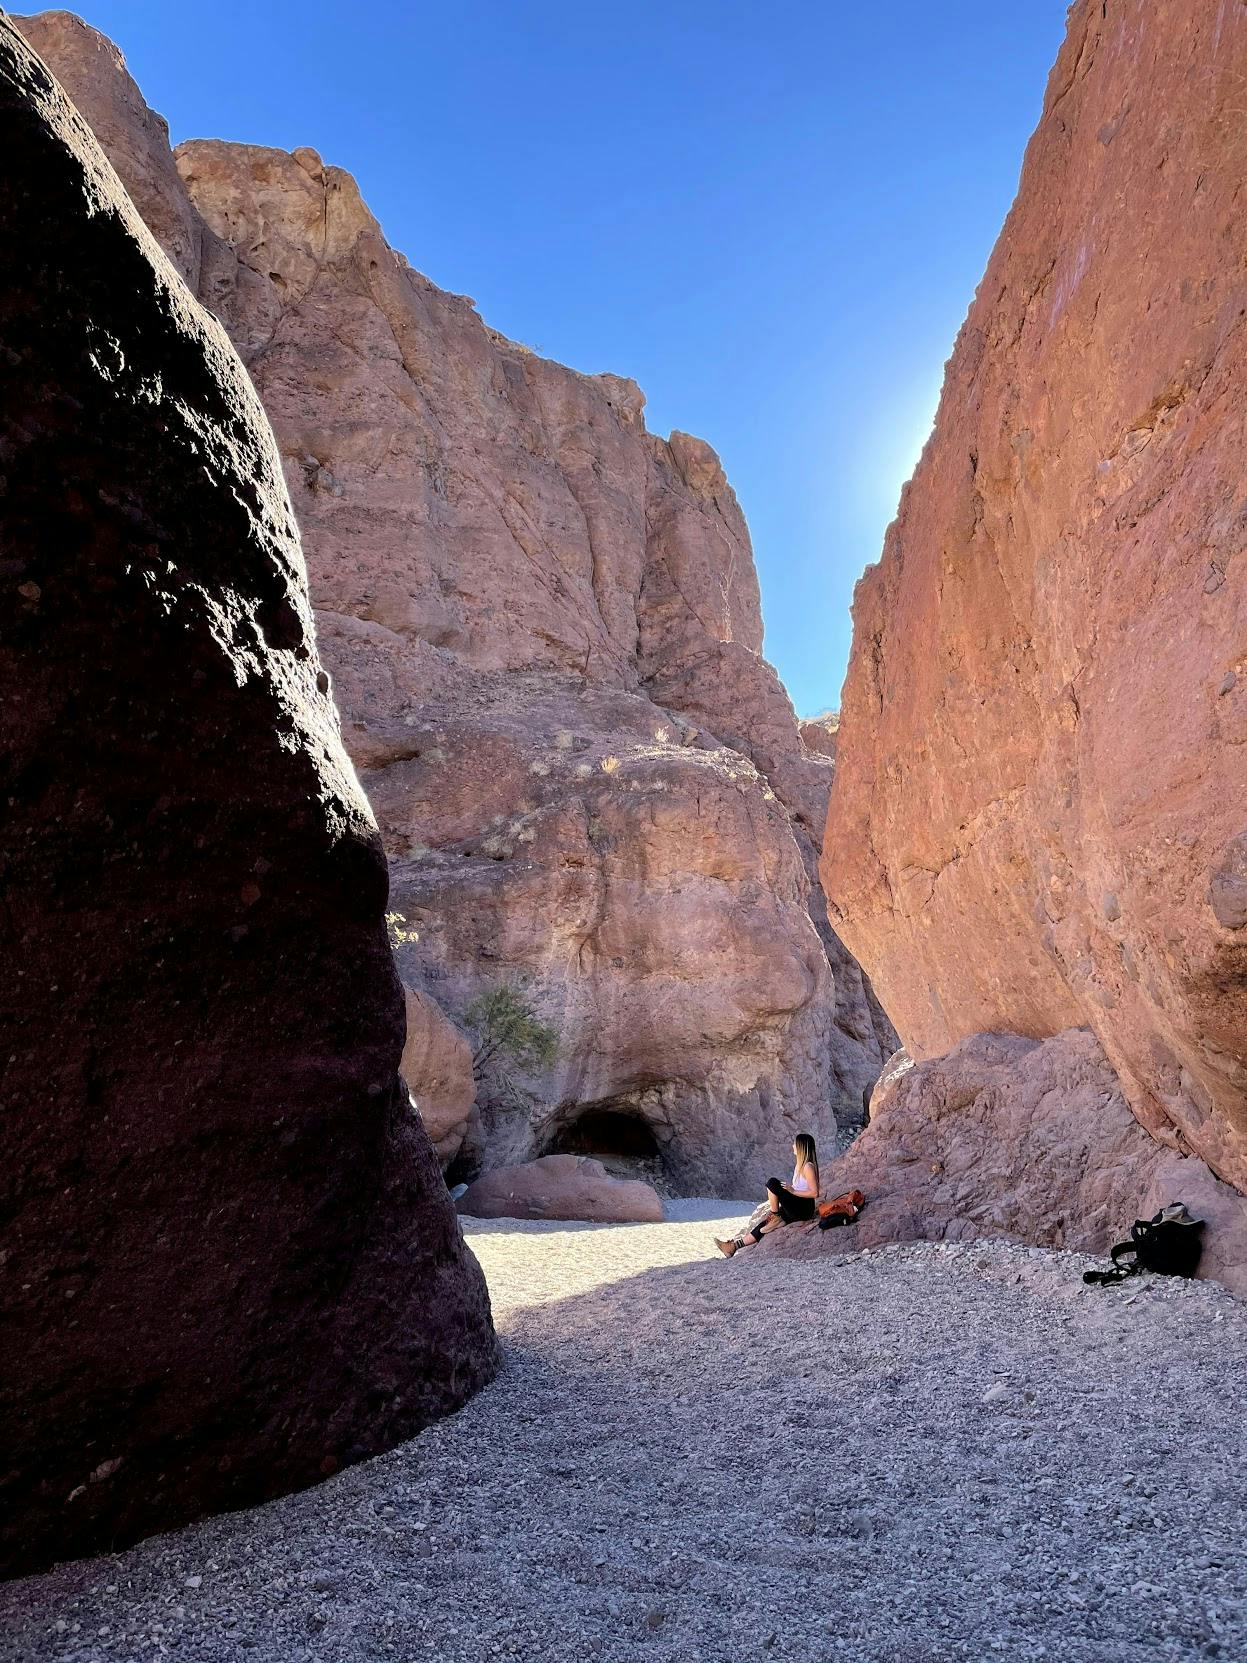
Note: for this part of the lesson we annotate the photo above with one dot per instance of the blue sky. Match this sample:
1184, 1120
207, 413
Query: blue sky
772, 216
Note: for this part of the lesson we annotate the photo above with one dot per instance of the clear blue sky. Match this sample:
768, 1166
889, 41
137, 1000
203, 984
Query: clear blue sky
771, 213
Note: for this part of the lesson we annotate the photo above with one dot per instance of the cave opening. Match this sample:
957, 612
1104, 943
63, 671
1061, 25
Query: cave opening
615, 1133
608, 1135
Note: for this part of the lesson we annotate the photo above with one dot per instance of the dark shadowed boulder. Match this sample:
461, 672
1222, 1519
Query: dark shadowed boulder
229, 1264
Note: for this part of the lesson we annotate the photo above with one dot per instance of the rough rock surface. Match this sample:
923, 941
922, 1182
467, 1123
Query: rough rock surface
543, 627
1023, 1139
230, 1265
822, 733
561, 1186
437, 1067
1039, 819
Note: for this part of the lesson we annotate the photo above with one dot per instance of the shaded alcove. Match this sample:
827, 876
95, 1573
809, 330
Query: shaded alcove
607, 1134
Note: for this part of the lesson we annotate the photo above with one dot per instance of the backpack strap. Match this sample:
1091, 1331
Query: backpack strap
1120, 1272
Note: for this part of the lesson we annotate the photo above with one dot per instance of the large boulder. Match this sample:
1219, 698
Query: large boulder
544, 630
230, 1264
562, 1186
649, 905
1040, 809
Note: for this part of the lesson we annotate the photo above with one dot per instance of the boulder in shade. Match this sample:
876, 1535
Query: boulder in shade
230, 1263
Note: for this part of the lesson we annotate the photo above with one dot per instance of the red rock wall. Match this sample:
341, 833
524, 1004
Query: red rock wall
230, 1264
1039, 818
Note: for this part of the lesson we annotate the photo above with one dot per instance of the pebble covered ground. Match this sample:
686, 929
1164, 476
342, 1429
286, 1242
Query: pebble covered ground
914, 1455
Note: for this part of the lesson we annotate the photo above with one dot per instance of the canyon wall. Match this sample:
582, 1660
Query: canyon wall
543, 627
1039, 820
230, 1262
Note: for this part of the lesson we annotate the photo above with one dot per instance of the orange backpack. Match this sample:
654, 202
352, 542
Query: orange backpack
842, 1208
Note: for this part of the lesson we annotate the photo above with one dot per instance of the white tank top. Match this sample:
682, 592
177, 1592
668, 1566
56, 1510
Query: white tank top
801, 1181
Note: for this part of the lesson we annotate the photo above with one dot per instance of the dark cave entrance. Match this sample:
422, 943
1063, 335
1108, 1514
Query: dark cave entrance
608, 1135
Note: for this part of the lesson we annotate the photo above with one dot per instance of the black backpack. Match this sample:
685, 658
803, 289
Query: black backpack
1169, 1244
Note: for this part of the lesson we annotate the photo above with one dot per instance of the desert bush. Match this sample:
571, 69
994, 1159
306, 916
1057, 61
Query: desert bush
507, 1026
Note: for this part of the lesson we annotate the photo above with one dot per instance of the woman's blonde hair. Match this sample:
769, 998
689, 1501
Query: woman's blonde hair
806, 1153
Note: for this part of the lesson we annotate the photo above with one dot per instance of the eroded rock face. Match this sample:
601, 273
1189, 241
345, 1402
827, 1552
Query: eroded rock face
648, 900
437, 1068
822, 734
1024, 1139
230, 1262
544, 632
562, 1186
1040, 807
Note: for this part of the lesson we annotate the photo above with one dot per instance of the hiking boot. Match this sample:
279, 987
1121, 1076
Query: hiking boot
727, 1248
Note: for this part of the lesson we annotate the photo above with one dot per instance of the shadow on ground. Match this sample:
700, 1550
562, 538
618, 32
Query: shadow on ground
913, 1454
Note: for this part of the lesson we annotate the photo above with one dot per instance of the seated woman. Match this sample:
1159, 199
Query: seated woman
786, 1203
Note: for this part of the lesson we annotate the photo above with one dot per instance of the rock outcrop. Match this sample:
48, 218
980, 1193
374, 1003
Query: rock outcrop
230, 1264
562, 1186
543, 627
1023, 1139
1040, 810
437, 1068
822, 733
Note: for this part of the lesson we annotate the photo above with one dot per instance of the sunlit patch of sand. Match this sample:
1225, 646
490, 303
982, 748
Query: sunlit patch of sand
530, 1262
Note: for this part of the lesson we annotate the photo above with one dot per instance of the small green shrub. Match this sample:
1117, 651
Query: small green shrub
507, 1026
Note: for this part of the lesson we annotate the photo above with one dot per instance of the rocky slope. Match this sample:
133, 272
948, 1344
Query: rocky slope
544, 632
1040, 814
1021, 1139
230, 1264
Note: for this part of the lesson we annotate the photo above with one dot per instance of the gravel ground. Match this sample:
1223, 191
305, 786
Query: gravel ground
919, 1453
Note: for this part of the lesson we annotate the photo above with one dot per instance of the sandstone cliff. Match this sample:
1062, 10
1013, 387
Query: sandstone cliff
544, 632
1039, 820
230, 1261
